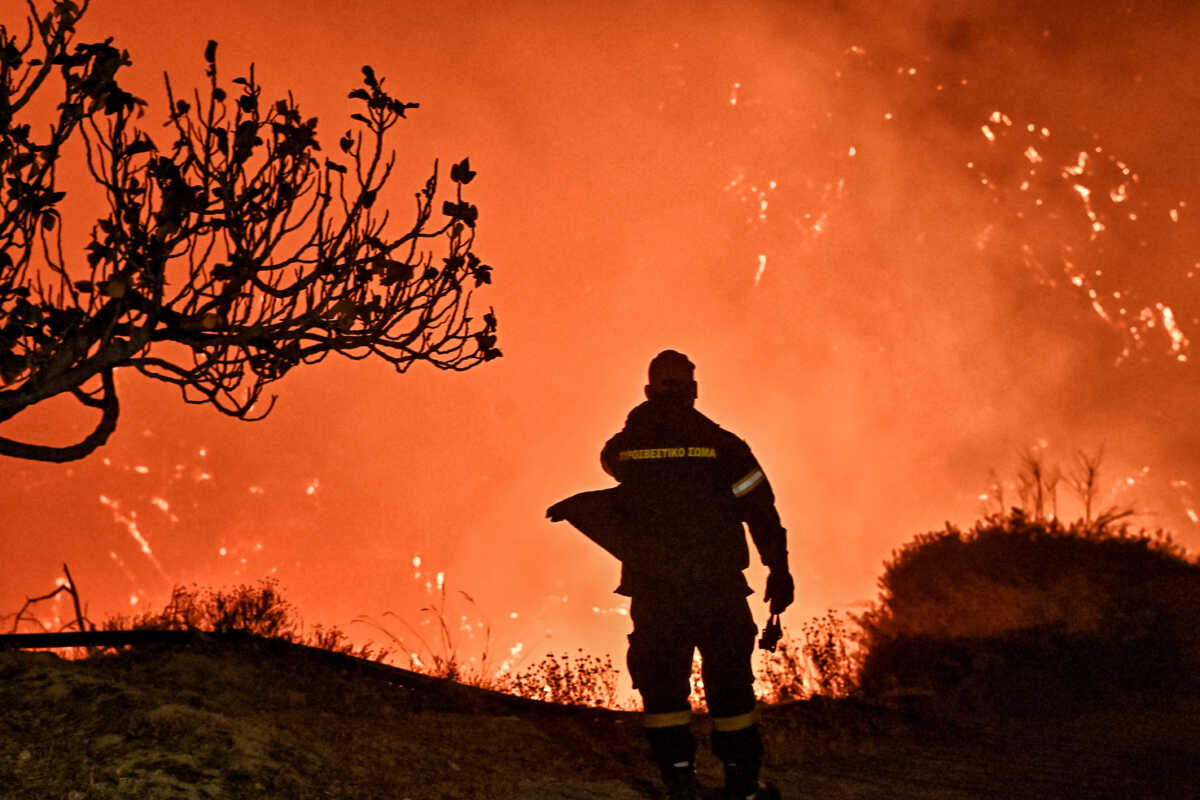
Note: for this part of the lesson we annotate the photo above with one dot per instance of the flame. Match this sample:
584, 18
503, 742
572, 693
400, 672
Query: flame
762, 267
1179, 342
129, 522
1086, 169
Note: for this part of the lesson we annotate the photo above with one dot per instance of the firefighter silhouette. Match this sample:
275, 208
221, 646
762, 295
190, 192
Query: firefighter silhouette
686, 486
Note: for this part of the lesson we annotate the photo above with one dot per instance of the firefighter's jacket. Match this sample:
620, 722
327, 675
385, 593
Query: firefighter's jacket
687, 485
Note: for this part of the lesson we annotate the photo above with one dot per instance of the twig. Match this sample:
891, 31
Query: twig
70, 588
30, 601
75, 597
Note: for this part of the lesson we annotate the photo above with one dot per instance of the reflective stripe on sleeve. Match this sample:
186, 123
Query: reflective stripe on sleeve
747, 483
667, 719
740, 722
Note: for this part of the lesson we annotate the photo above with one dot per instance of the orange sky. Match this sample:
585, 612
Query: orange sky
898, 320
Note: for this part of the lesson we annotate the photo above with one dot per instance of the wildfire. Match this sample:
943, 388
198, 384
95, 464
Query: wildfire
1086, 168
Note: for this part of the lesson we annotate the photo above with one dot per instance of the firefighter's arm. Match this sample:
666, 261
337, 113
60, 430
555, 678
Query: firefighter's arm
756, 506
771, 540
609, 461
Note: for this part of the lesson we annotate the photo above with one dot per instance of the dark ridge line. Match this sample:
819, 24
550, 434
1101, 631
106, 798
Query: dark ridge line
375, 669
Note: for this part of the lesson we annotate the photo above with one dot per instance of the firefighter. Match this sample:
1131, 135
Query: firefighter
688, 486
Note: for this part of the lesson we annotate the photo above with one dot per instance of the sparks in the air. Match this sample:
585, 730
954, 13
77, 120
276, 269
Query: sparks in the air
129, 522
1095, 178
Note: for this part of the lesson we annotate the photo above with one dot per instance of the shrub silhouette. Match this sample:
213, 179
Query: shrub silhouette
258, 610
261, 610
586, 680
820, 661
1020, 612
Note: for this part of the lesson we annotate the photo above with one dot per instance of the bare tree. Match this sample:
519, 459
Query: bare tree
1085, 480
225, 258
994, 498
1036, 484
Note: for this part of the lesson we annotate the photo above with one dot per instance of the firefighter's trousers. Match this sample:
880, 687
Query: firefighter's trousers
666, 631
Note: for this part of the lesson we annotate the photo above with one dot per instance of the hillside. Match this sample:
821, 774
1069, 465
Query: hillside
258, 720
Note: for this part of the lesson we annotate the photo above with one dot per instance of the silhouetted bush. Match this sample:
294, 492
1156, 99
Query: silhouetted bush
261, 610
821, 661
585, 680
1024, 613
258, 610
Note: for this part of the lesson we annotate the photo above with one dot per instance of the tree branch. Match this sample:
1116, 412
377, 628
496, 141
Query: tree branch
276, 252
82, 448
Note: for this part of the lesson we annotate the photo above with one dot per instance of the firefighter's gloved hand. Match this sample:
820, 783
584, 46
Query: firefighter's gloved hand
781, 590
555, 513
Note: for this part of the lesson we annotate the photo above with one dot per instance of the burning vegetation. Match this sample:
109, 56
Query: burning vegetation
1082, 631
1020, 610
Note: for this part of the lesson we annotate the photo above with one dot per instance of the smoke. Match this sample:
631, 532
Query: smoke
804, 197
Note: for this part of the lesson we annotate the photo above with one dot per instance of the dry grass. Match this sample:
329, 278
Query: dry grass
821, 661
582, 680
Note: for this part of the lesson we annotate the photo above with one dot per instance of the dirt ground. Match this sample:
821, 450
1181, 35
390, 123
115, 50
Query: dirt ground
222, 721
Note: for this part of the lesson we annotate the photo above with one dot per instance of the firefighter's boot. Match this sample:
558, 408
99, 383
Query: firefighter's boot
673, 748
682, 784
741, 752
765, 791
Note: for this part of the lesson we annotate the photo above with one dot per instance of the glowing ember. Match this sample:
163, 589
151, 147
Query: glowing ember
762, 267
